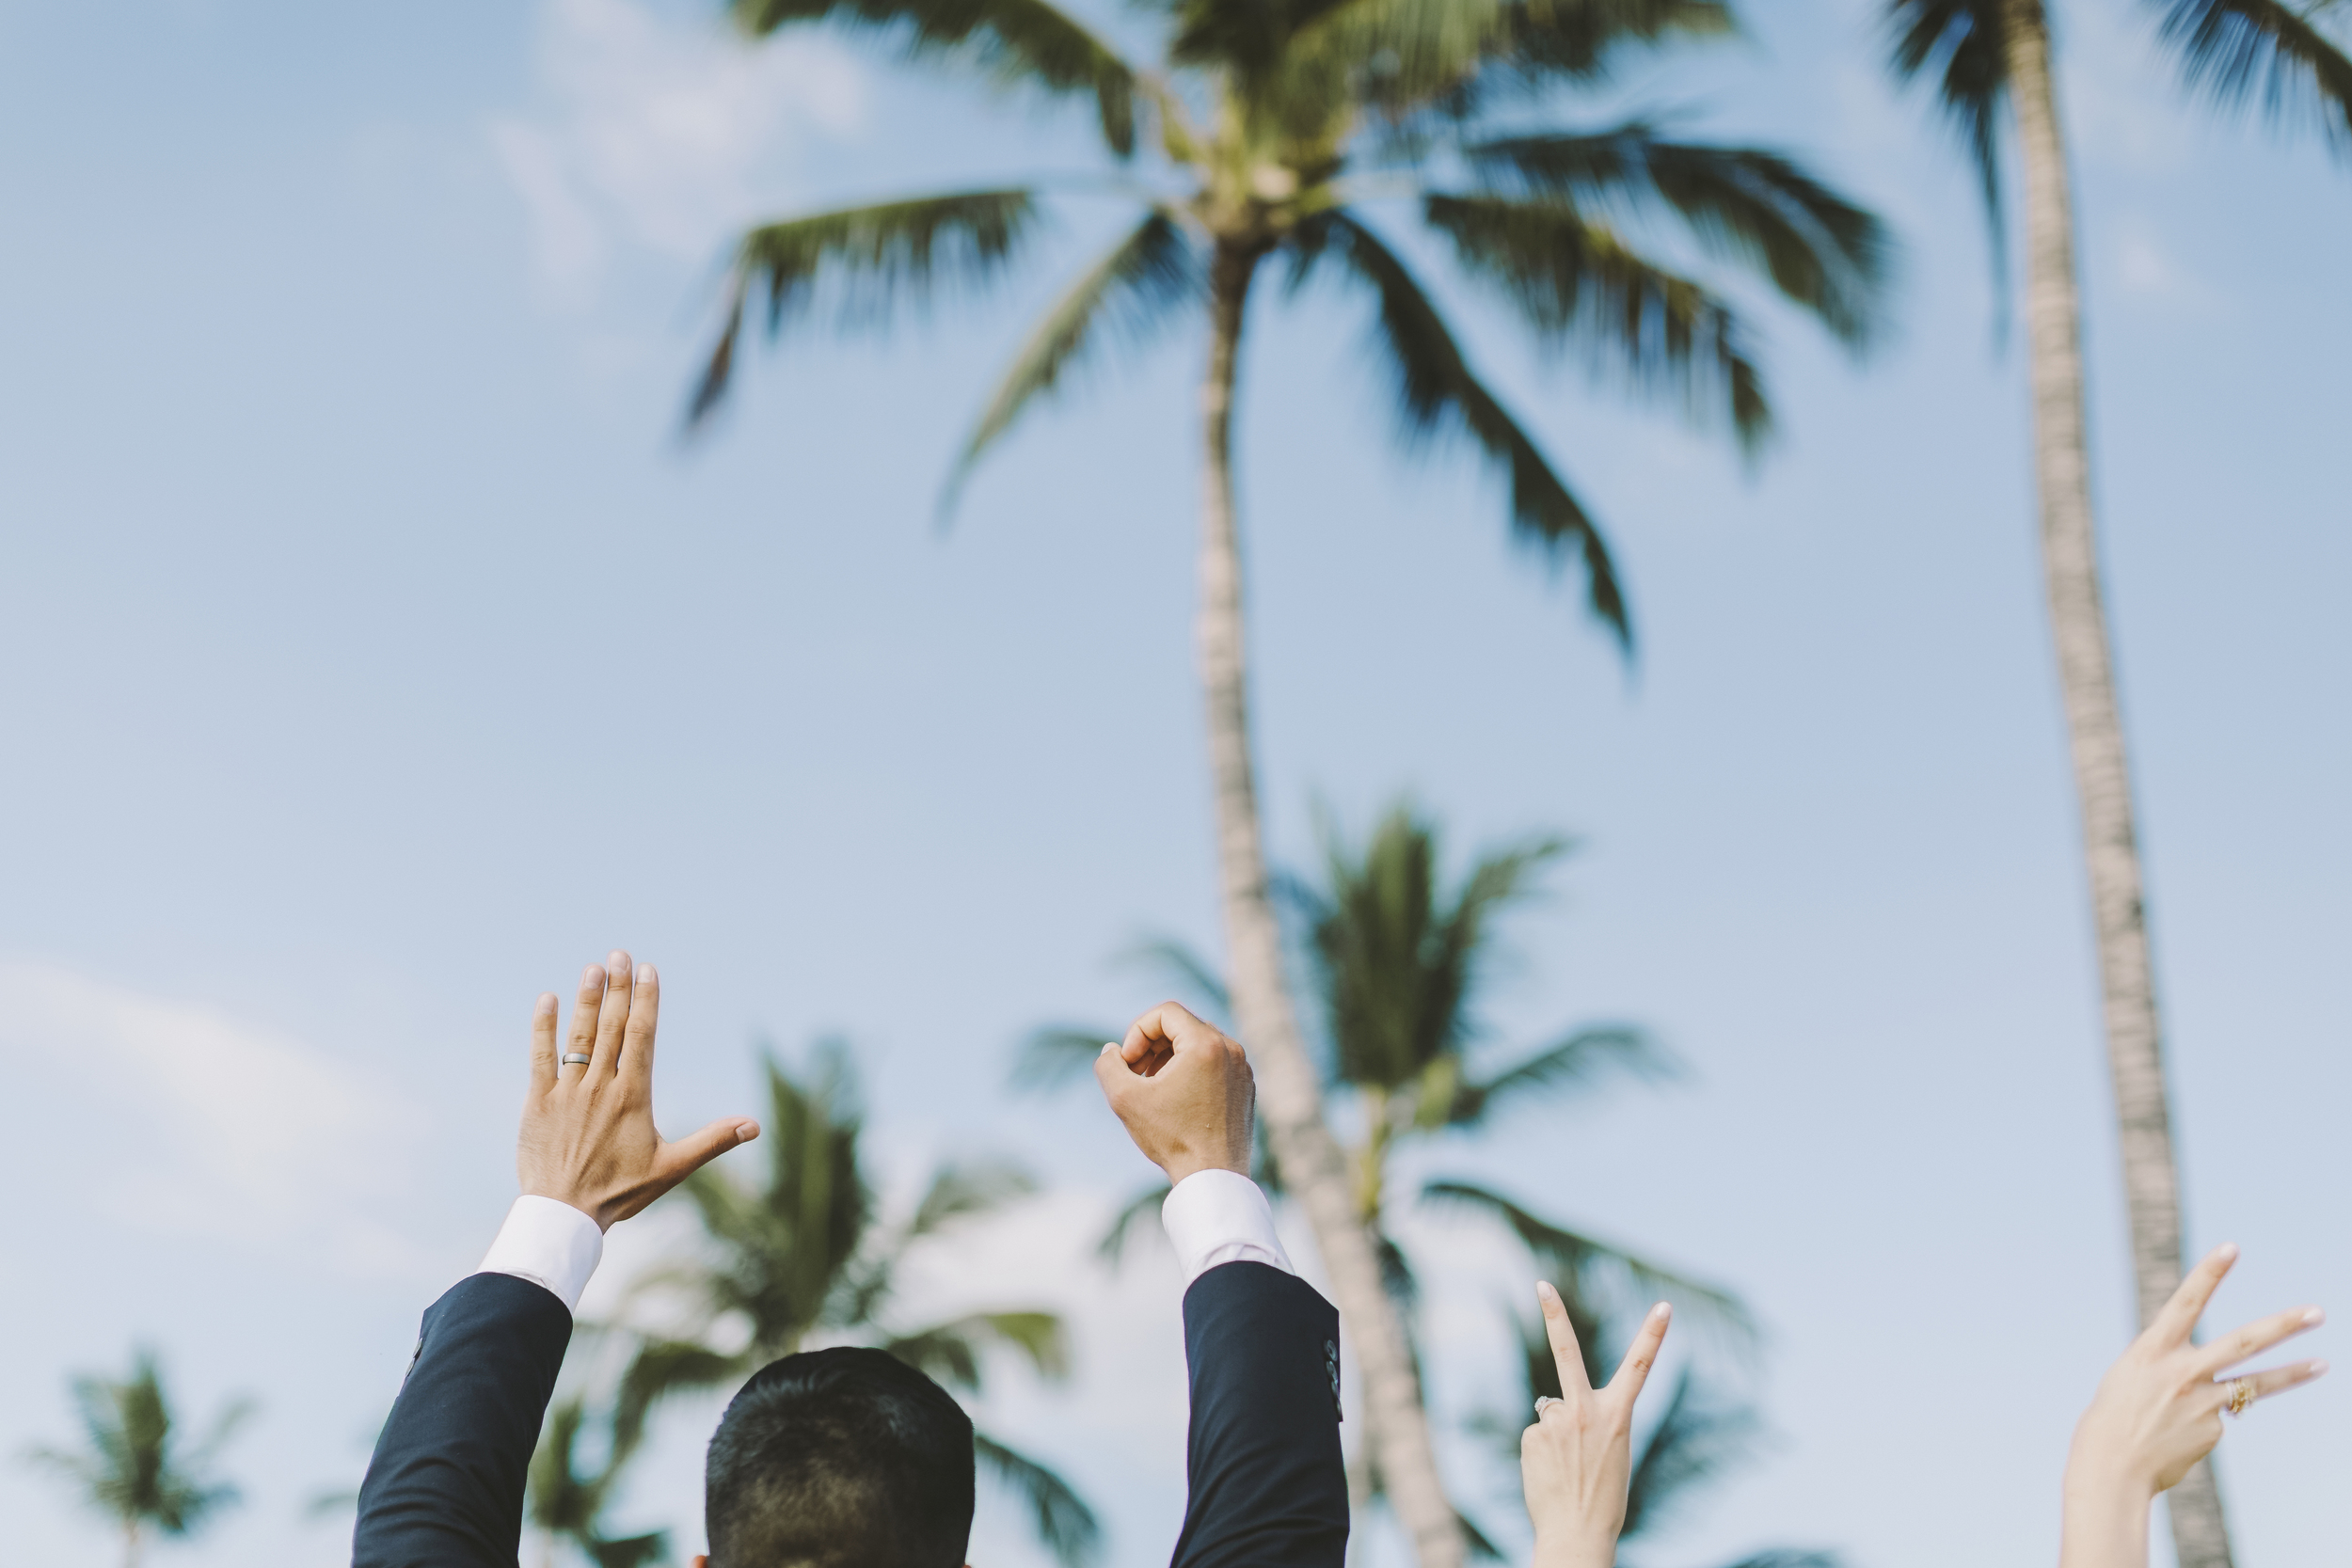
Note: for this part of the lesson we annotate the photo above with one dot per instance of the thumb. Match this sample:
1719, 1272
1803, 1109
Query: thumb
1113, 1073
691, 1153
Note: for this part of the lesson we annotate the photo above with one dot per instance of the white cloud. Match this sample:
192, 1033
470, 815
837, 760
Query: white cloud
217, 1128
659, 134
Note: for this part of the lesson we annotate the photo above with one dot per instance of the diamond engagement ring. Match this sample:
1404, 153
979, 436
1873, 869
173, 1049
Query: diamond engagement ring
2241, 1396
1544, 1404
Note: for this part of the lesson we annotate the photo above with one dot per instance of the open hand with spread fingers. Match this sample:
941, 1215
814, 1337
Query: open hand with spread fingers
1577, 1459
2158, 1411
588, 1137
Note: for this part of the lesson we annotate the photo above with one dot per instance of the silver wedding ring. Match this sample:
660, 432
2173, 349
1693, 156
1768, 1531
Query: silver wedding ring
1544, 1404
574, 1057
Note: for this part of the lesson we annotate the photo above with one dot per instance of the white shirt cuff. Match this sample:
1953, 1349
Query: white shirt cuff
550, 1244
1220, 1216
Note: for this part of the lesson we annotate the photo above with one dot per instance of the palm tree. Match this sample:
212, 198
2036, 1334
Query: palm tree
1698, 1437
1398, 964
1275, 130
1988, 54
807, 1258
564, 1504
134, 1471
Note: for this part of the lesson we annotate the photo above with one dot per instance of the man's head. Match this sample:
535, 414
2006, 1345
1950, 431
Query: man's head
839, 1458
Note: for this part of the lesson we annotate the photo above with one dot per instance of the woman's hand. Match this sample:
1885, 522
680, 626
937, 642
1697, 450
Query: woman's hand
1576, 1460
2158, 1412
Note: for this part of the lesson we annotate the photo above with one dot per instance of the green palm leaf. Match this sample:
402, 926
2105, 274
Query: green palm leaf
1014, 41
1963, 43
1436, 392
1582, 1058
1756, 207
962, 1190
1582, 1257
1130, 291
1144, 1207
874, 257
1577, 280
1694, 1440
2237, 50
1056, 1054
1459, 56
1064, 1523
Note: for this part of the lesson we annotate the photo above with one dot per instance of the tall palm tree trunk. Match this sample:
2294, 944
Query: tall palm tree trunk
131, 1545
2078, 623
1310, 1160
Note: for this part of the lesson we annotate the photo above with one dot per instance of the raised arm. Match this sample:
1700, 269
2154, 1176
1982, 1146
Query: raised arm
2158, 1412
445, 1488
1268, 1487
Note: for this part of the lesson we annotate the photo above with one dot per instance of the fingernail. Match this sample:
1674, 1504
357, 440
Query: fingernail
545, 1003
592, 975
747, 1132
2317, 1368
2314, 1316
644, 975
1661, 1310
2227, 1252
1108, 1045
1545, 1293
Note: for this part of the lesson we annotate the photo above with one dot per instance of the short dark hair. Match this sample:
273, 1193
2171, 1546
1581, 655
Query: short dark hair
842, 1458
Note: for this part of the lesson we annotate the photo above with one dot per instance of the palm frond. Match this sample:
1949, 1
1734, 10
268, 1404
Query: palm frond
2239, 49
874, 257
663, 1367
1594, 1262
634, 1551
1144, 1206
1575, 281
1179, 961
1064, 1523
1457, 57
1031, 41
1436, 392
1754, 206
951, 1351
1695, 1439
1575, 1062
1056, 1054
1129, 292
961, 1191
1963, 44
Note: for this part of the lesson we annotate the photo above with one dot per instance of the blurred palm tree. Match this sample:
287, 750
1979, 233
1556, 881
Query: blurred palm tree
1399, 963
808, 1257
1988, 56
1272, 132
134, 1469
567, 1503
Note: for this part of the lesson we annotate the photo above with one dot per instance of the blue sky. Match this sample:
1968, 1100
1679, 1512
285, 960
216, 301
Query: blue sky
376, 657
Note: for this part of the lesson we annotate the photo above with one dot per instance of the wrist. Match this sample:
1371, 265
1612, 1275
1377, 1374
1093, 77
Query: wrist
1179, 1167
2103, 1483
1573, 1551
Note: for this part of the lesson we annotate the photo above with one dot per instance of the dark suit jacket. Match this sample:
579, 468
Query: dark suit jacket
445, 1489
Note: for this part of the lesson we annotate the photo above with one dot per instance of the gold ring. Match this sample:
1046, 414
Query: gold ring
2241, 1396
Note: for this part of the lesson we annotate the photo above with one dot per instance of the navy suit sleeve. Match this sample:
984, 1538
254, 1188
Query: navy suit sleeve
1269, 1489
445, 1489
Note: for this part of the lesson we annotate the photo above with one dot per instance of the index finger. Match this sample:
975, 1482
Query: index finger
1159, 1035
2174, 1325
1565, 1353
644, 1013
